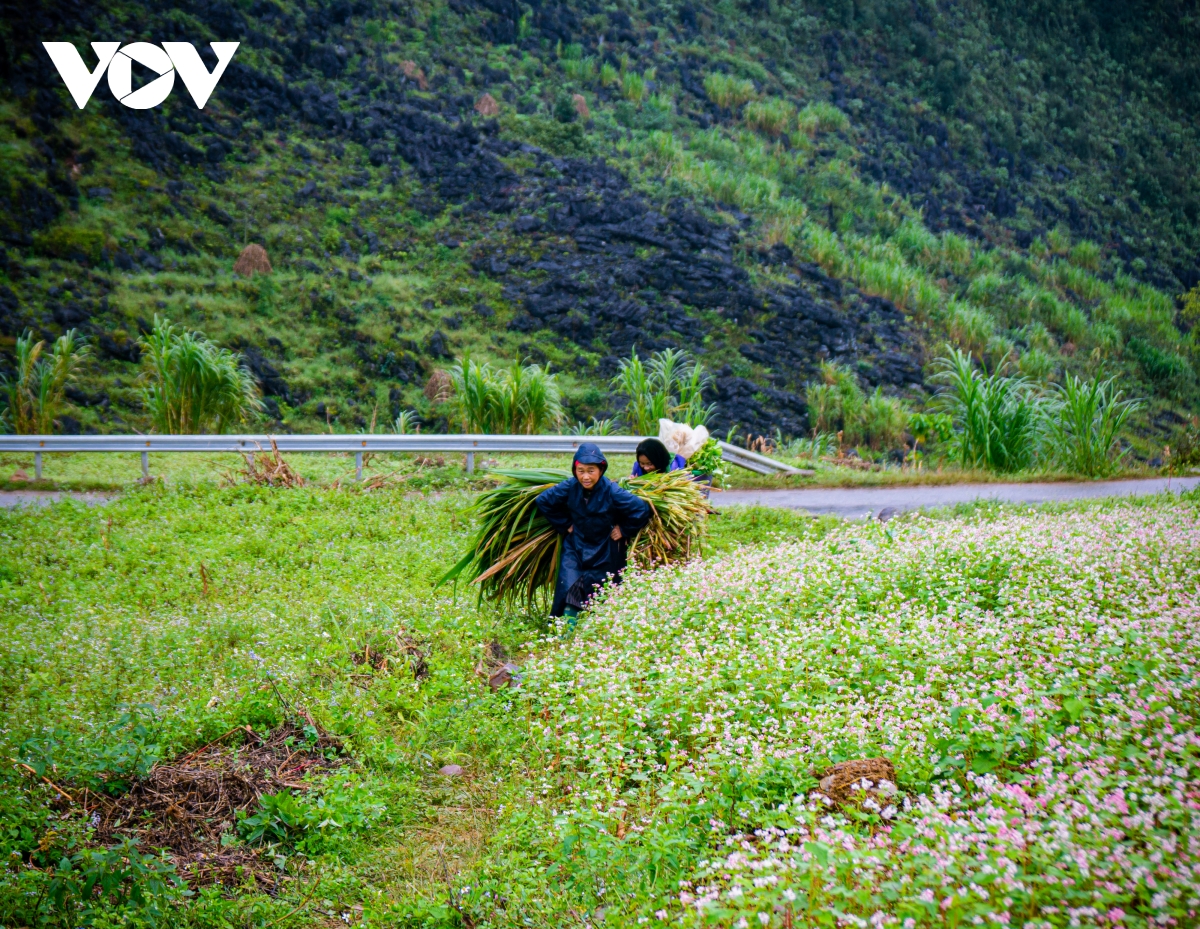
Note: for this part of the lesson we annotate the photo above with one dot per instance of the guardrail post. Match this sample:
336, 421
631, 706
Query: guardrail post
37, 465
470, 462
145, 466
358, 466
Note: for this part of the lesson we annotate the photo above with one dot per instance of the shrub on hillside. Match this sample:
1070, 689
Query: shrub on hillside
194, 386
996, 418
671, 386
1083, 422
34, 393
970, 328
516, 400
1161, 368
728, 91
771, 116
837, 403
822, 117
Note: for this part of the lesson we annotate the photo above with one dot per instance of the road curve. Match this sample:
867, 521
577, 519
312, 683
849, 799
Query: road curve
865, 502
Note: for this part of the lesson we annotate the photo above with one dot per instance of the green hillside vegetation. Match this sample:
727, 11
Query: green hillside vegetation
1021, 185
646, 770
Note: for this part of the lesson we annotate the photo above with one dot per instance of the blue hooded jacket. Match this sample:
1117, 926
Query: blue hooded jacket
589, 555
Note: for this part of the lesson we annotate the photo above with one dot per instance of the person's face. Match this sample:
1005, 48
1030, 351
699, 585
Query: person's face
587, 474
646, 463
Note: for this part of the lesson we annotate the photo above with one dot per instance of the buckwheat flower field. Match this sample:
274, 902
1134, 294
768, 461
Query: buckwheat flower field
1031, 676
1023, 682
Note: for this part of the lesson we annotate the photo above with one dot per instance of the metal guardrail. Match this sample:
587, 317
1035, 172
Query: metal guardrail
468, 445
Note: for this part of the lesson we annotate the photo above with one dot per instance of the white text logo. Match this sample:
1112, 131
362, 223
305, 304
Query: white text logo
118, 60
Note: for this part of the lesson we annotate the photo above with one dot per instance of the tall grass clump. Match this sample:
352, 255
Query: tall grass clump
1085, 254
194, 385
771, 116
996, 418
882, 421
955, 252
633, 87
887, 277
837, 404
35, 392
407, 423
515, 400
835, 401
1083, 422
671, 386
970, 328
820, 116
916, 242
825, 248
728, 91
579, 69
664, 149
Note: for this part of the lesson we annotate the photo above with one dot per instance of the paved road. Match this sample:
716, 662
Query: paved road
12, 498
850, 502
865, 502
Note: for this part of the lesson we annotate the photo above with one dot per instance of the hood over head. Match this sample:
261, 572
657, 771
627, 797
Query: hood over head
589, 453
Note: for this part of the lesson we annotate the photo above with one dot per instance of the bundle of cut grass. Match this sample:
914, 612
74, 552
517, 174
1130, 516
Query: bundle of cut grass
676, 529
514, 554
253, 260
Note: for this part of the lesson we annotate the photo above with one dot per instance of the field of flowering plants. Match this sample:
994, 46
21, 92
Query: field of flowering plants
1031, 676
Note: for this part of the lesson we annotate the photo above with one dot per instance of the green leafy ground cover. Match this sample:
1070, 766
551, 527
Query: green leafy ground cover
1031, 674
1020, 182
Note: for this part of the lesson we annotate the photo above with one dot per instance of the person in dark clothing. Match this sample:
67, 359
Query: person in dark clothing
652, 455
596, 519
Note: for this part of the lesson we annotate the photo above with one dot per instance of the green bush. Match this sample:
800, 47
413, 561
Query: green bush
728, 91
917, 243
579, 69
771, 116
195, 386
883, 421
71, 242
671, 387
312, 822
120, 885
1161, 368
1036, 365
633, 87
996, 418
837, 403
34, 393
1086, 254
822, 117
970, 328
1084, 421
516, 400
558, 138
564, 109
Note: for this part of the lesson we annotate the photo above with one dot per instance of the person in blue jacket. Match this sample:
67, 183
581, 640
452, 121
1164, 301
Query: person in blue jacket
596, 519
652, 455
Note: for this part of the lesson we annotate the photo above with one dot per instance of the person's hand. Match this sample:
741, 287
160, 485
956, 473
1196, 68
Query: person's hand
615, 535
570, 529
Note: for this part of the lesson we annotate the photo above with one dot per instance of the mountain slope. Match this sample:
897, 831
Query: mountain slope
766, 185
